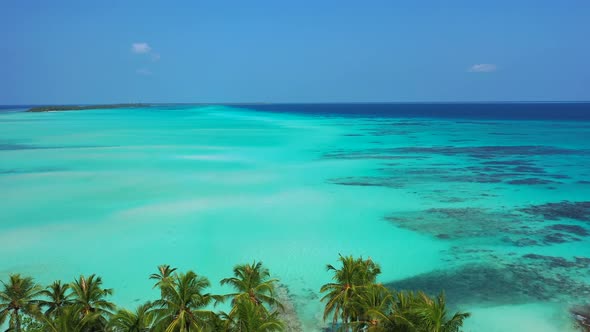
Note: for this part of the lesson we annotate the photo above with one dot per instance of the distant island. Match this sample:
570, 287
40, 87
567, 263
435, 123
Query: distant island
54, 108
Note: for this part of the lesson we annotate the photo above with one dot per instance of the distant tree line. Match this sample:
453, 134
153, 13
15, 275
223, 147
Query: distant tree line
56, 108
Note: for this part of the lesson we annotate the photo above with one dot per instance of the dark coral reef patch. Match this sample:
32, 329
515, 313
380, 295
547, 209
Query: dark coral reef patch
519, 227
531, 181
527, 278
560, 210
367, 181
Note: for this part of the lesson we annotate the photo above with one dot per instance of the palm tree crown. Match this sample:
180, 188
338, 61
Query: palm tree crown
18, 297
349, 281
181, 309
164, 275
89, 298
432, 315
57, 297
248, 316
253, 283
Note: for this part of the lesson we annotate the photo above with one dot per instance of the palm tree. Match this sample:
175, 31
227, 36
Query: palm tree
349, 281
90, 298
163, 277
431, 315
57, 298
17, 298
247, 316
182, 307
142, 320
252, 282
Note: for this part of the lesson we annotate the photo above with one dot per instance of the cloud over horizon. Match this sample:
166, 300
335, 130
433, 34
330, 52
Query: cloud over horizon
483, 68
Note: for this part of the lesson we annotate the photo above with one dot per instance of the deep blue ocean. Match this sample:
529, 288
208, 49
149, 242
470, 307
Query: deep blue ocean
568, 111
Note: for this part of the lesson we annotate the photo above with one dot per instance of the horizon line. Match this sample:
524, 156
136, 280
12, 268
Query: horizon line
312, 103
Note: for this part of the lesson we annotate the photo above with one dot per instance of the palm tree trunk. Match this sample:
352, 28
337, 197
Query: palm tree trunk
12, 322
17, 327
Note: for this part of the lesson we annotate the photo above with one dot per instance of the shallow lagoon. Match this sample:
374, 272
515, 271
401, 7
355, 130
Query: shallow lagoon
494, 211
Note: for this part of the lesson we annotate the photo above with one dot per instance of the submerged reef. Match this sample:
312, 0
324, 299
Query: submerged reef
367, 155
565, 209
367, 181
472, 174
530, 278
451, 162
496, 168
415, 169
573, 229
531, 181
479, 152
518, 227
456, 223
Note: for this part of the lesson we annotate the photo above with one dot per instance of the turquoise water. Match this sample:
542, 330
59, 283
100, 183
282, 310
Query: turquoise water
439, 203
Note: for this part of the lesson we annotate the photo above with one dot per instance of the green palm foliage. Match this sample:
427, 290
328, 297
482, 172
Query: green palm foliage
164, 277
18, 297
142, 320
353, 302
402, 316
252, 282
417, 312
431, 315
247, 316
57, 297
90, 298
397, 313
182, 308
349, 282
69, 319
380, 310
372, 306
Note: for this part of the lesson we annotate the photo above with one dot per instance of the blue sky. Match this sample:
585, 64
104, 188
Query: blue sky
293, 51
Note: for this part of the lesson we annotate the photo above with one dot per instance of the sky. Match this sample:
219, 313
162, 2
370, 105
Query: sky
112, 51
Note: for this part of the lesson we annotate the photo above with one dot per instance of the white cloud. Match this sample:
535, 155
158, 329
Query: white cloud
483, 68
146, 51
143, 71
140, 48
